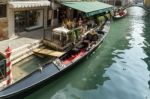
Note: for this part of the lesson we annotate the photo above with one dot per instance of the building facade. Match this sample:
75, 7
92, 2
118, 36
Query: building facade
17, 16
126, 2
117, 2
147, 3
3, 20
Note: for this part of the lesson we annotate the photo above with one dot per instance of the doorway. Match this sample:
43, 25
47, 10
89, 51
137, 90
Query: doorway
28, 20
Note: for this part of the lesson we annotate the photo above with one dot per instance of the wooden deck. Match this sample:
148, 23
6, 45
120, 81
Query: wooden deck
56, 45
48, 52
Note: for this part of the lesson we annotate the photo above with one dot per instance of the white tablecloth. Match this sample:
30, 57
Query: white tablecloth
61, 30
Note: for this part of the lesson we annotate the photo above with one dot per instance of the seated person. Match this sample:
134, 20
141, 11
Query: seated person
100, 31
94, 37
80, 22
85, 45
75, 51
88, 37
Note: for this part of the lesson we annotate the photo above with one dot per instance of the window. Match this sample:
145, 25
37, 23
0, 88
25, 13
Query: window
2, 10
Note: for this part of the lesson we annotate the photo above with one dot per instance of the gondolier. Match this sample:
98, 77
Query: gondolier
120, 13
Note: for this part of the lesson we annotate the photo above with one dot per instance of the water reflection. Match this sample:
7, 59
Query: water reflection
147, 43
135, 72
147, 40
128, 64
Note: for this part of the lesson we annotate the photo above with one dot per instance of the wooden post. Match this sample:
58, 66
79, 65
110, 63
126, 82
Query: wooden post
8, 67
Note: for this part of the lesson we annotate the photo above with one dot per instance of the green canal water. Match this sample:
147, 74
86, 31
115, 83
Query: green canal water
119, 69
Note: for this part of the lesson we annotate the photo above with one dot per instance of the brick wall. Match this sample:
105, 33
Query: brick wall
3, 29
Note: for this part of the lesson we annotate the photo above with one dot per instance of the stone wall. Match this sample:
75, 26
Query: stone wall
3, 1
3, 29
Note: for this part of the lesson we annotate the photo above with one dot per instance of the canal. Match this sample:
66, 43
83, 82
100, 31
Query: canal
119, 69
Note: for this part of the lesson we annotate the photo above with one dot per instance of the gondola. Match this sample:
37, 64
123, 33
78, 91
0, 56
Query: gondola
120, 14
58, 65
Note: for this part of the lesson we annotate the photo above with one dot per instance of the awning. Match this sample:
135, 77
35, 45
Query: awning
28, 4
89, 7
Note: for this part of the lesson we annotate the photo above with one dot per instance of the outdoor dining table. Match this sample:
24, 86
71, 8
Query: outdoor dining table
61, 30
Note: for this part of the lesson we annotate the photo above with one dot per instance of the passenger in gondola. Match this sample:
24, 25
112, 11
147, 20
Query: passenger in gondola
99, 31
85, 45
88, 37
74, 24
121, 12
86, 41
89, 25
106, 18
75, 51
115, 12
94, 37
80, 22
110, 15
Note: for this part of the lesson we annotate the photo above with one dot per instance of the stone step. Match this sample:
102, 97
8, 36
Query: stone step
24, 51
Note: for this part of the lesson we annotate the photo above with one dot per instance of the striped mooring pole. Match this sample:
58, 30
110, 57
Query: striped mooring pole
9, 77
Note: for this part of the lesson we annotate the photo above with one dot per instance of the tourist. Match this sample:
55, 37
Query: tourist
80, 21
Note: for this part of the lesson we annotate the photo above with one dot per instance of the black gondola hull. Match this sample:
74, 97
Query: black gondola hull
39, 77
